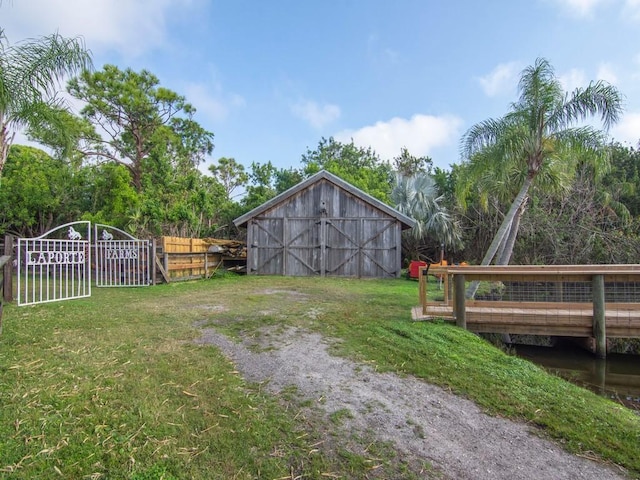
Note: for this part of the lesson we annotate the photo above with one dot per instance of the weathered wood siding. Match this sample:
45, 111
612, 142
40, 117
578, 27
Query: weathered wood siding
324, 230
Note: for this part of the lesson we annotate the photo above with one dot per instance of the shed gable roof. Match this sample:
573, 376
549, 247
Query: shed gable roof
407, 222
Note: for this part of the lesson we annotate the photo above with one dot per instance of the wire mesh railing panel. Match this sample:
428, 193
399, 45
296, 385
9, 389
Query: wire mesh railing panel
622, 292
561, 292
548, 291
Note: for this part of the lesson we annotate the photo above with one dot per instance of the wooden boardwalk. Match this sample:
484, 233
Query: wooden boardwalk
594, 315
561, 322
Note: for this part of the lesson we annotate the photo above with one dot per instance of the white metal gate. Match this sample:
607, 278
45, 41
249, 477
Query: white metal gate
121, 260
55, 266
58, 265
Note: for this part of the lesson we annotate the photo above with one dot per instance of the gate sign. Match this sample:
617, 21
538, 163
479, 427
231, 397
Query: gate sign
121, 260
38, 257
56, 265
59, 264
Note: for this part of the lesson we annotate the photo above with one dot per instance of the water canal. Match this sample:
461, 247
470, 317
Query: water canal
617, 377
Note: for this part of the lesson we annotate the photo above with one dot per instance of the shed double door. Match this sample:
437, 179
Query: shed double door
348, 247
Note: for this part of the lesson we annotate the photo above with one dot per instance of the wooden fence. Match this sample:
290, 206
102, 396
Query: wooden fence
180, 258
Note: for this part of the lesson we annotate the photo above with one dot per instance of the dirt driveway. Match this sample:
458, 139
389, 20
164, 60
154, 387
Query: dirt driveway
425, 424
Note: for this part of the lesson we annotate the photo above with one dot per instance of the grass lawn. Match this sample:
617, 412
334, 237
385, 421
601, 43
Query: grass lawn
113, 386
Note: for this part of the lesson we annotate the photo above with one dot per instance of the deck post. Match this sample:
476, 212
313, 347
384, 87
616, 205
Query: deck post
422, 288
599, 331
459, 300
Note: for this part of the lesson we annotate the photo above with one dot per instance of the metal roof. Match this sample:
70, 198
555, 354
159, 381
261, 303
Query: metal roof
324, 175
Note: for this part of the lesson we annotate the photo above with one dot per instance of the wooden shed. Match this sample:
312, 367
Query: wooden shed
324, 226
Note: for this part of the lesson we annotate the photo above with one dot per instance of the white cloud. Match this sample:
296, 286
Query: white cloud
129, 27
500, 79
606, 73
580, 8
577, 78
212, 102
420, 135
573, 79
630, 9
317, 115
628, 129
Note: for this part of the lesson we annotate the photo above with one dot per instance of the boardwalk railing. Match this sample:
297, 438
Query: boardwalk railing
596, 301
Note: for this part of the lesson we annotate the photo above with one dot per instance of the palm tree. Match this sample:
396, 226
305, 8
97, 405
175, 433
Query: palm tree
417, 197
538, 139
30, 73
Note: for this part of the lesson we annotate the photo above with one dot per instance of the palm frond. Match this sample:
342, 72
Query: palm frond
417, 197
599, 98
480, 136
31, 71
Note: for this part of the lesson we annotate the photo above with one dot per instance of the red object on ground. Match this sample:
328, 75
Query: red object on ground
414, 267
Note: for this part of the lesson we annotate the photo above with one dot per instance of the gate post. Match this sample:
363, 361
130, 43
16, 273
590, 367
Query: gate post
152, 261
3, 259
8, 270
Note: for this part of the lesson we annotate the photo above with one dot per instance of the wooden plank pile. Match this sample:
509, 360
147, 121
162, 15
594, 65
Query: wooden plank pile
188, 258
233, 252
228, 248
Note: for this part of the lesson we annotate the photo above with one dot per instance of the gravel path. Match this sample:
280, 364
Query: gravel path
424, 422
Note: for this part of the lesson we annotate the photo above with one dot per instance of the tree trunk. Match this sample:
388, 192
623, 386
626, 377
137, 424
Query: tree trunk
6, 139
503, 243
510, 240
502, 231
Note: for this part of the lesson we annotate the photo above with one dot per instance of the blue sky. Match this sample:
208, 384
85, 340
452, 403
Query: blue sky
270, 79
